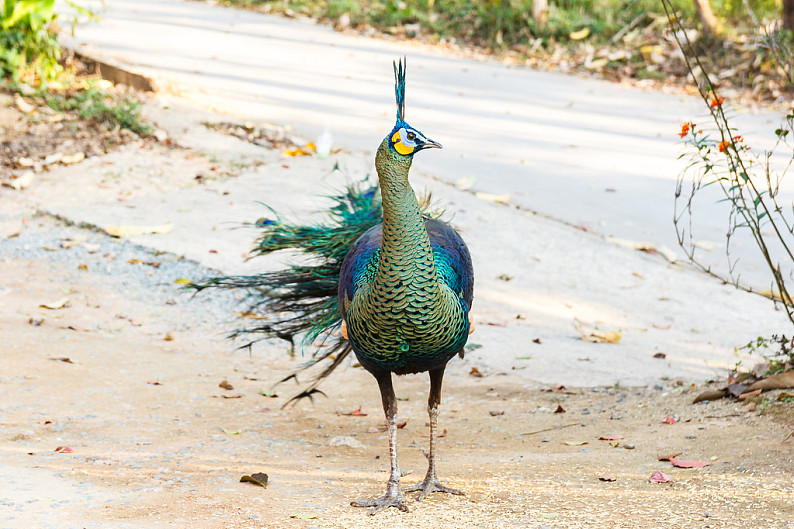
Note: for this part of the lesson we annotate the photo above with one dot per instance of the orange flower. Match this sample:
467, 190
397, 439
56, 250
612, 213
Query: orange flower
724, 145
685, 129
717, 101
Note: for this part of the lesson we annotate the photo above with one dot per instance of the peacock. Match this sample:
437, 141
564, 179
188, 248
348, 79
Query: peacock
391, 281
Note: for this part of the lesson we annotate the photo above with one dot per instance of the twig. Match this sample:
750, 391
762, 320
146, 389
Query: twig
553, 428
722, 416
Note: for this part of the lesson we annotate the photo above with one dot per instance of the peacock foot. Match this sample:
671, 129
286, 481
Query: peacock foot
392, 498
428, 485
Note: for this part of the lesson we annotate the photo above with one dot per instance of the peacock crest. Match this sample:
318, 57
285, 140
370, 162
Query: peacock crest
404, 139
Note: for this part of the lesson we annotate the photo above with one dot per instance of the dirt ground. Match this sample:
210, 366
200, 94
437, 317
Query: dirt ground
112, 415
156, 442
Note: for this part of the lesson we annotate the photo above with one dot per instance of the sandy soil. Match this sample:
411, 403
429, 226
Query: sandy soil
156, 442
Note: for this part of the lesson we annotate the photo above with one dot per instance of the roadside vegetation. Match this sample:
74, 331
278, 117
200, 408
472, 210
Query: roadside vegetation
33, 65
59, 111
628, 41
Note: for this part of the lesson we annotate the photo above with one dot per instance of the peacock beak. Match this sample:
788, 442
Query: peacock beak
429, 144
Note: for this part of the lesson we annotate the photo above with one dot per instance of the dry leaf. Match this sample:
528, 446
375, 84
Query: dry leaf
475, 372
401, 425
660, 355
225, 385
658, 477
69, 159
611, 438
632, 245
607, 477
64, 450
232, 396
303, 516
668, 420
229, 431
668, 457
687, 463
559, 409
22, 181
491, 197
574, 443
750, 394
712, 394
580, 34
55, 305
496, 413
168, 337
591, 334
306, 150
23, 105
64, 359
779, 381
126, 229
259, 478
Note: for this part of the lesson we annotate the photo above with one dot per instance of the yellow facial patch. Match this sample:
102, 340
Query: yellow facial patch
399, 146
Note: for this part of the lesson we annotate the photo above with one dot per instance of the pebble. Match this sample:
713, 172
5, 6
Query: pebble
629, 446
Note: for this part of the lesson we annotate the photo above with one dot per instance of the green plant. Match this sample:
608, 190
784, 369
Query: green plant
29, 49
749, 185
104, 107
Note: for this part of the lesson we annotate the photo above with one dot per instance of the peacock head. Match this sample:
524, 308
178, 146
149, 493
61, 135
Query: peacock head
404, 139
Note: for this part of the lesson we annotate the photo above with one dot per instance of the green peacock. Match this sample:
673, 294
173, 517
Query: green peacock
397, 283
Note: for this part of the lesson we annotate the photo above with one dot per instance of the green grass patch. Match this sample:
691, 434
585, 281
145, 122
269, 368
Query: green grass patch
94, 103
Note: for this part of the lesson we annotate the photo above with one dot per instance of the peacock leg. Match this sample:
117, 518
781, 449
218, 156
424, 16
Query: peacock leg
393, 496
431, 483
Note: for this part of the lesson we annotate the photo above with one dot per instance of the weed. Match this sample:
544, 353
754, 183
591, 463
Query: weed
97, 104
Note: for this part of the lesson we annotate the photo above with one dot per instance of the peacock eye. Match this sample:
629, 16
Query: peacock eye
411, 136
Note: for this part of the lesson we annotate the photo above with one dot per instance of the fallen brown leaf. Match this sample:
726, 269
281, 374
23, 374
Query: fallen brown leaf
55, 305
64, 359
607, 477
594, 335
475, 372
750, 394
779, 381
225, 385
64, 450
496, 413
712, 394
611, 438
258, 478
559, 409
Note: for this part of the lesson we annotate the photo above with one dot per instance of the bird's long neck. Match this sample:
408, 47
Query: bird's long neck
406, 257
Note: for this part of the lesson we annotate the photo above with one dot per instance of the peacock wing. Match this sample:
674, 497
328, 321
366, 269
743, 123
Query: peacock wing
360, 265
453, 260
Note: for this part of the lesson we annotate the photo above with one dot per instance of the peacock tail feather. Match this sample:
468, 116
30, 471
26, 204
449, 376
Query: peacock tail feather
301, 300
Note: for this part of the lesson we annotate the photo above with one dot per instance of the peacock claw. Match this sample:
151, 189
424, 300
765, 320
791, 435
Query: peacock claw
392, 498
429, 485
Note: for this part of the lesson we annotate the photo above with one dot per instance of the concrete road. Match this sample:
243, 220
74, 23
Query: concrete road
591, 153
